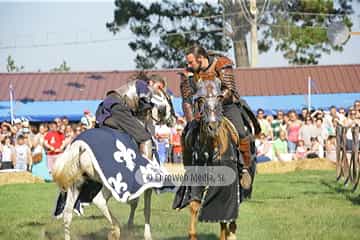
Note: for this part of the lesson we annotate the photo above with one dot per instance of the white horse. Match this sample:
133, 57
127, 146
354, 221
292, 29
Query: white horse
75, 165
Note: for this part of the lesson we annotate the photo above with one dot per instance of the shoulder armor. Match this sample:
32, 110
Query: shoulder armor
223, 62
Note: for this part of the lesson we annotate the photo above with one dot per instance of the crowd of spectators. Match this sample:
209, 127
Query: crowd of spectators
289, 136
284, 136
35, 147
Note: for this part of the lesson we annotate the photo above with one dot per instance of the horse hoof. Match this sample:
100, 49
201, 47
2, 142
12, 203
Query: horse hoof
114, 234
130, 226
147, 238
231, 236
245, 181
192, 237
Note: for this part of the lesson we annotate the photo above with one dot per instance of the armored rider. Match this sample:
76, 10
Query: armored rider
202, 67
123, 108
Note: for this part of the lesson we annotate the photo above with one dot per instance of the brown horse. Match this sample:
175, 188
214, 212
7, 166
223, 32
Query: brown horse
212, 141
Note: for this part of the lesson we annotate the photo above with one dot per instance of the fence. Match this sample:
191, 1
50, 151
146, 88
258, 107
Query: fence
347, 155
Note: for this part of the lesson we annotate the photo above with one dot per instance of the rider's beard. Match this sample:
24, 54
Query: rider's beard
198, 68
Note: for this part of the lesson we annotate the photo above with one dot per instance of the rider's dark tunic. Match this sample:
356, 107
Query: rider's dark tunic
218, 203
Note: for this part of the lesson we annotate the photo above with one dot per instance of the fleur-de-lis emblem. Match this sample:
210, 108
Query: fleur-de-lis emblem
124, 154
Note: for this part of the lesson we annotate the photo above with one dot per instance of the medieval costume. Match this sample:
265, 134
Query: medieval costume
123, 107
236, 110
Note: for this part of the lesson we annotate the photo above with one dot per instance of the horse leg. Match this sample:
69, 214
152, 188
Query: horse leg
100, 201
72, 195
232, 231
194, 209
133, 206
147, 214
223, 231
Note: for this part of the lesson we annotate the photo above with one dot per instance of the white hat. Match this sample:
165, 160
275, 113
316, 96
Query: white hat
17, 120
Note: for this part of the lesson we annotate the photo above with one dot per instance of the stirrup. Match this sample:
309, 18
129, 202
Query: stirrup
246, 179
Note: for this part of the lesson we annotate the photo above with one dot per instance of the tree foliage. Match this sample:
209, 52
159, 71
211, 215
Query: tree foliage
11, 65
302, 37
63, 67
163, 29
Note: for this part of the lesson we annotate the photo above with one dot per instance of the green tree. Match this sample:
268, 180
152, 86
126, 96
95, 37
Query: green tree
164, 29
302, 37
63, 67
11, 65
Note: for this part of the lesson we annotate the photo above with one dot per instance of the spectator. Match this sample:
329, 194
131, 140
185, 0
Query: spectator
307, 131
334, 123
349, 122
316, 150
276, 125
175, 142
162, 135
264, 124
65, 121
6, 149
39, 166
285, 123
317, 114
293, 130
328, 123
270, 119
320, 132
58, 123
78, 130
304, 114
342, 114
263, 149
54, 144
280, 148
301, 150
69, 136
87, 120
17, 126
330, 148
5, 131
357, 108
21, 157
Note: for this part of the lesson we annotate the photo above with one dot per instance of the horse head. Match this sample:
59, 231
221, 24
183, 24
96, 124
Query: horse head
209, 104
163, 110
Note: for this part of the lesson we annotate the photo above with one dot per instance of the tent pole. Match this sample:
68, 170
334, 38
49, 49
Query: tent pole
11, 103
309, 94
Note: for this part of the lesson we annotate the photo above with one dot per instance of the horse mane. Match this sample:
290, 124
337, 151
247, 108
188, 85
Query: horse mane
67, 167
221, 141
227, 134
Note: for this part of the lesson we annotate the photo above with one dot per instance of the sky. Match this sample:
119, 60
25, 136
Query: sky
40, 35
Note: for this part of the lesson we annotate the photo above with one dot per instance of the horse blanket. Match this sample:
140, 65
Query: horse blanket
121, 167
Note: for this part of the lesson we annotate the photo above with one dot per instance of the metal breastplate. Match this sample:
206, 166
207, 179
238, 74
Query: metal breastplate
128, 93
198, 83
209, 75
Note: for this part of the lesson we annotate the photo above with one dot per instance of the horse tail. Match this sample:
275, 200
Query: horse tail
67, 168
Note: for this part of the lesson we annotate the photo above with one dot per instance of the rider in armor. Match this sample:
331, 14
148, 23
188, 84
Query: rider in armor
123, 108
201, 67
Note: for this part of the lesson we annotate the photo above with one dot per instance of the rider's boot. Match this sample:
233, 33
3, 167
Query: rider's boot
245, 149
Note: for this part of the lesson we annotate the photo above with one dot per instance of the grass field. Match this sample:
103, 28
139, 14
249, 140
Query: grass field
298, 205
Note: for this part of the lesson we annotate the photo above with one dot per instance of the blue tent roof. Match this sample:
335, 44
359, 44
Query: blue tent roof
39, 111
271, 104
45, 111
